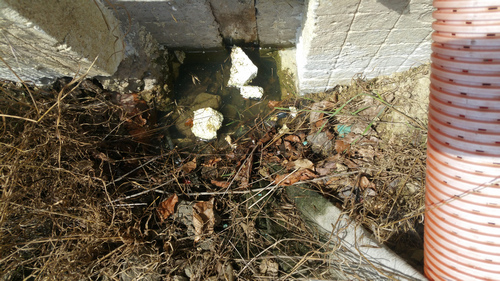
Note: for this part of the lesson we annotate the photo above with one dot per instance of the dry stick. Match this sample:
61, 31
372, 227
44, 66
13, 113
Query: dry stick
239, 254
137, 168
18, 117
52, 213
79, 80
239, 170
267, 187
262, 252
146, 191
368, 260
272, 189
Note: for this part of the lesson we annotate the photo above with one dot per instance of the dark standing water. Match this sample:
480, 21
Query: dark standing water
208, 72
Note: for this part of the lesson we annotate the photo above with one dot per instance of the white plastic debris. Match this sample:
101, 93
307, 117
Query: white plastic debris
251, 92
242, 69
206, 122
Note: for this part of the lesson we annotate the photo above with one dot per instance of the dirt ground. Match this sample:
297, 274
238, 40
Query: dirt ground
93, 188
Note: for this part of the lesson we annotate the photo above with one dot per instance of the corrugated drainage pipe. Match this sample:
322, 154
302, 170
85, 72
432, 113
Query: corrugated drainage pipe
462, 223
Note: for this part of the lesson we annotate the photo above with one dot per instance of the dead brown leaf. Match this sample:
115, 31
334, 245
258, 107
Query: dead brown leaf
267, 137
221, 184
289, 146
293, 138
167, 207
212, 162
365, 183
342, 147
350, 164
303, 163
245, 172
320, 123
189, 166
203, 219
299, 175
269, 267
328, 166
273, 103
367, 154
317, 108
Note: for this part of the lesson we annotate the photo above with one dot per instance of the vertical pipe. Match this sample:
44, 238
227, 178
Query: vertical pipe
462, 223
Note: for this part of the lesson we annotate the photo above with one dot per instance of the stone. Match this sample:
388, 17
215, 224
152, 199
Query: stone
242, 69
206, 100
251, 92
182, 123
206, 122
320, 143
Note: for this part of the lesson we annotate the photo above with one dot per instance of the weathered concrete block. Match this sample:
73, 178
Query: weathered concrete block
278, 21
236, 19
414, 36
374, 21
336, 40
45, 38
176, 24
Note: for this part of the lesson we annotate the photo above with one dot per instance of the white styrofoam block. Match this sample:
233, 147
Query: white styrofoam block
251, 92
206, 122
242, 69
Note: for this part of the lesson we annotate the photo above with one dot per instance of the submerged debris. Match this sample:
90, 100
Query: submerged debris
251, 92
242, 72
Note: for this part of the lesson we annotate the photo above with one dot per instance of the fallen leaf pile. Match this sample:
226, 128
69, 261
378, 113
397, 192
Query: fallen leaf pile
201, 217
137, 116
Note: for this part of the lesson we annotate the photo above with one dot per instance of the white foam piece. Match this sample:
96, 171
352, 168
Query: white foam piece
242, 69
206, 122
251, 92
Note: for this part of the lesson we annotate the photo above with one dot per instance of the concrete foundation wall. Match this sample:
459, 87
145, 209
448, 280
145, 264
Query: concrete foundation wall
43, 38
175, 24
344, 38
207, 24
335, 40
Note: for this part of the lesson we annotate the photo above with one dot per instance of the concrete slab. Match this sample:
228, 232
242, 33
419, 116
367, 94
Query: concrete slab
337, 39
358, 253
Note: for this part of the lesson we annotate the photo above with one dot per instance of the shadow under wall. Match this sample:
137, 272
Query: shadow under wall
400, 6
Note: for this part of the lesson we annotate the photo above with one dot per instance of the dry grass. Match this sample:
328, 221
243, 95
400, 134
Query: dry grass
79, 193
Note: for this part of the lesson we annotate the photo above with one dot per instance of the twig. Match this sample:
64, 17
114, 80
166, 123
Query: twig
18, 117
133, 170
239, 170
272, 189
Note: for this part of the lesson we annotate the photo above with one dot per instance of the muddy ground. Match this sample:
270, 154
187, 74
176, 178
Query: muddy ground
94, 188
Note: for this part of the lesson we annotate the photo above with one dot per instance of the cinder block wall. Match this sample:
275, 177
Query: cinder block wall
344, 38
